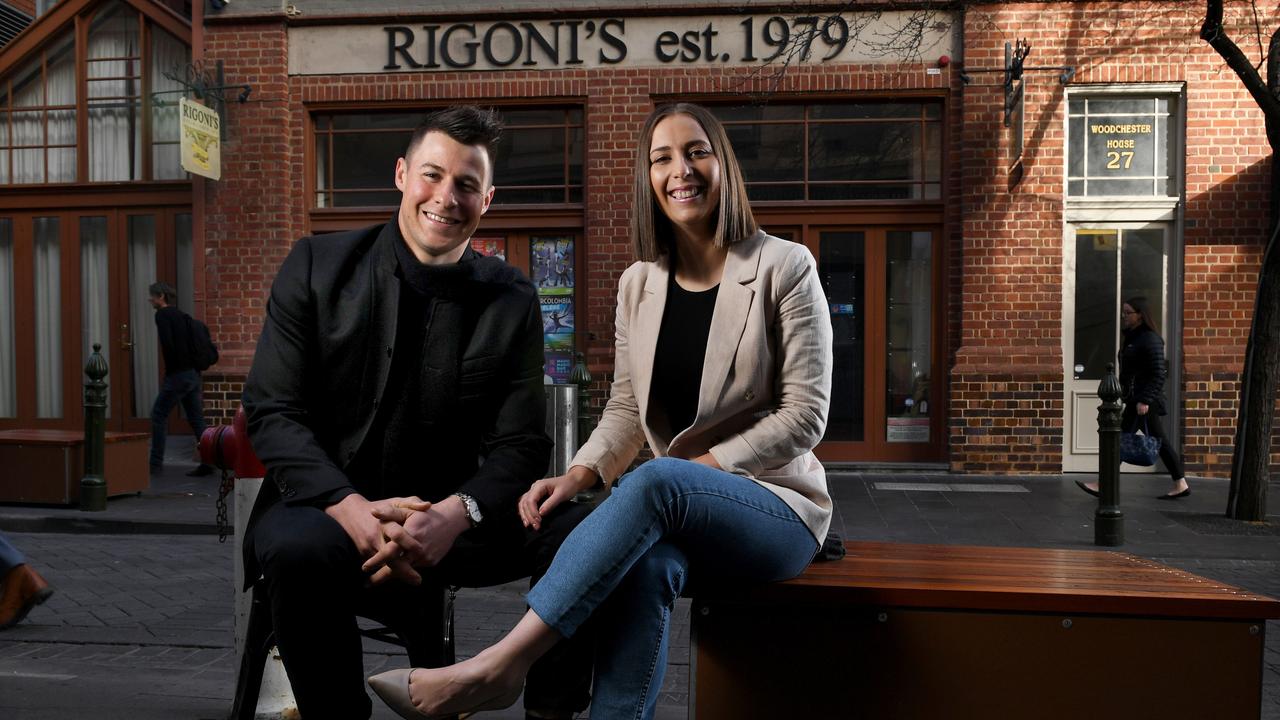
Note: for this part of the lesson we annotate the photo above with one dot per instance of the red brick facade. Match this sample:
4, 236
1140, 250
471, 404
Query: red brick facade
1004, 250
1007, 381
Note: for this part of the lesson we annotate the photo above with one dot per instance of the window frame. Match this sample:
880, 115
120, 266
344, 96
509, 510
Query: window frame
72, 20
806, 121
314, 134
1175, 129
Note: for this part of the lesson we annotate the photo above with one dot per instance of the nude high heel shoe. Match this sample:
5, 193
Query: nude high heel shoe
393, 687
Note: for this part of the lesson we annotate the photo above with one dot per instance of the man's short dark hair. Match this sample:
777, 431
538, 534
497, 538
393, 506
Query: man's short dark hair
467, 124
170, 294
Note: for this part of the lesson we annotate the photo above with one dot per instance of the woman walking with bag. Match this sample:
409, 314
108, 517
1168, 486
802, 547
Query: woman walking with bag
1142, 375
723, 366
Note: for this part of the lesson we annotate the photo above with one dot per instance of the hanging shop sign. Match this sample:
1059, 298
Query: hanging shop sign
200, 144
731, 40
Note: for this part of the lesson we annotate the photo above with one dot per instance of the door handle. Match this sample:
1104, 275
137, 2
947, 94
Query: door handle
125, 344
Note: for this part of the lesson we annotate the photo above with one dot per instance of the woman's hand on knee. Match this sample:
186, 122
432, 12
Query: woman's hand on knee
545, 494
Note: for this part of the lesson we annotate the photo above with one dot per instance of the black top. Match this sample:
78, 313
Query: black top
1143, 368
394, 466
175, 339
682, 347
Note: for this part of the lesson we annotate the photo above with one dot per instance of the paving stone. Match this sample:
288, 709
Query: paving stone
151, 615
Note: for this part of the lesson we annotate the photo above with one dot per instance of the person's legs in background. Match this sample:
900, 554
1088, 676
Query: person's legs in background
1172, 462
21, 587
160, 409
193, 408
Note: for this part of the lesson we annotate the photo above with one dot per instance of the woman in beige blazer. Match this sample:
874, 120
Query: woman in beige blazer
723, 366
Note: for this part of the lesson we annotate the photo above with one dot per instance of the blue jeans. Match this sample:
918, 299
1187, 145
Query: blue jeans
628, 561
10, 556
184, 387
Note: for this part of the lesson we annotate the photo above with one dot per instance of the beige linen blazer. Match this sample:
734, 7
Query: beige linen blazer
766, 379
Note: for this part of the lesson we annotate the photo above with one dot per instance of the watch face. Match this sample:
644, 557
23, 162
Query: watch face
472, 507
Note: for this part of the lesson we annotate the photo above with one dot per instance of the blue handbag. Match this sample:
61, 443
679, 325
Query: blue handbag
1139, 449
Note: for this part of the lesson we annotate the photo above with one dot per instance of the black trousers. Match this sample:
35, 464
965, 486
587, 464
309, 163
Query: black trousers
311, 572
1131, 421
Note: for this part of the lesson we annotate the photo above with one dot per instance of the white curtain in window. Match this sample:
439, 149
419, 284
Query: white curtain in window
115, 151
146, 347
48, 282
28, 125
168, 55
8, 353
95, 295
62, 123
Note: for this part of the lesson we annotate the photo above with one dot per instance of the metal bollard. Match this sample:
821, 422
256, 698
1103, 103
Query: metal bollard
581, 377
561, 426
1108, 521
93, 486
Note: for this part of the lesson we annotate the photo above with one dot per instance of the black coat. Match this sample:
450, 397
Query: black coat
325, 352
173, 329
1143, 368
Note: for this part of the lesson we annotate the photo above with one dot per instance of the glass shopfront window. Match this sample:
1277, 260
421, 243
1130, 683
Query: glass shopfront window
839, 151
540, 157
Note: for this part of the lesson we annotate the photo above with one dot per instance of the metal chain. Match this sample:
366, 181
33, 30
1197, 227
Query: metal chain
224, 489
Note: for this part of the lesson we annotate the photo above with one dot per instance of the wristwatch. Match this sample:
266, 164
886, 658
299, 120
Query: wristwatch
472, 507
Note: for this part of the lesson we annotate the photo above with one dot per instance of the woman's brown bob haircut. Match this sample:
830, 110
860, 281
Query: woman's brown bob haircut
651, 232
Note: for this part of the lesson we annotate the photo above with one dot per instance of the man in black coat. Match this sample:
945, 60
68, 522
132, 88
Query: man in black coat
181, 379
396, 401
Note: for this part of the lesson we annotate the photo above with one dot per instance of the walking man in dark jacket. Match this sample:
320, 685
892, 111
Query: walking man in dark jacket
396, 401
181, 379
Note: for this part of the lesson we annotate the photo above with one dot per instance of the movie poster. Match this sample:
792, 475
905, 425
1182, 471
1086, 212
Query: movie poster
551, 265
493, 247
557, 322
559, 365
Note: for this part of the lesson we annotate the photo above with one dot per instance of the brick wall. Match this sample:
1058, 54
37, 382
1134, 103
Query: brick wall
258, 210
1007, 384
1004, 249
221, 396
253, 214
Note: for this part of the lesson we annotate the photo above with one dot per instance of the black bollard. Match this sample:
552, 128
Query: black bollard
93, 486
1108, 522
581, 377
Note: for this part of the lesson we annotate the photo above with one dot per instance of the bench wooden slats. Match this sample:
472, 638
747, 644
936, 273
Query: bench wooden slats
1016, 579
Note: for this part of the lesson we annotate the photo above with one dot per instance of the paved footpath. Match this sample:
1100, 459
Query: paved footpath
141, 624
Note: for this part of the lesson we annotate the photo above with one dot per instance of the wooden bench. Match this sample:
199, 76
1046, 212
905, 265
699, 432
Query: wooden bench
45, 466
935, 631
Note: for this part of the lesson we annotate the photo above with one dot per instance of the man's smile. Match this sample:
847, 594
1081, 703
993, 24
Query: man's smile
439, 218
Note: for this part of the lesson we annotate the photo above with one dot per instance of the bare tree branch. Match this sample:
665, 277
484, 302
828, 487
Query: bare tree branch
1213, 33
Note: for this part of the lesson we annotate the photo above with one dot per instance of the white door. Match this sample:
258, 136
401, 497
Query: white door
1105, 264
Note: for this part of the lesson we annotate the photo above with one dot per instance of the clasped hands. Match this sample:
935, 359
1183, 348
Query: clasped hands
396, 535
